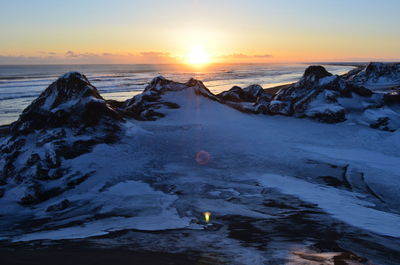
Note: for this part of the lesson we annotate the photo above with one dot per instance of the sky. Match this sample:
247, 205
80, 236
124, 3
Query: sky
166, 31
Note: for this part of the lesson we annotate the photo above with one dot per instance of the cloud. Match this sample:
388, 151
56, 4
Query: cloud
234, 56
144, 57
72, 57
239, 56
155, 54
263, 56
71, 54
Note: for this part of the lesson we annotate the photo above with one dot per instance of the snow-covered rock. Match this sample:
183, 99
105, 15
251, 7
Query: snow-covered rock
376, 75
70, 101
149, 104
67, 120
238, 94
330, 98
315, 96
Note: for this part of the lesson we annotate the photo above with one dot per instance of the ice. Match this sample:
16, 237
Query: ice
346, 206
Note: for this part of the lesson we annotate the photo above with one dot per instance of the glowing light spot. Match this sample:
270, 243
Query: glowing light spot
198, 56
207, 216
202, 157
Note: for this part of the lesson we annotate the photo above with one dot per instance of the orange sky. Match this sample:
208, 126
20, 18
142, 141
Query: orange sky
157, 31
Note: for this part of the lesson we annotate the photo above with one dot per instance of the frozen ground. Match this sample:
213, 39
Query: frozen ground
280, 190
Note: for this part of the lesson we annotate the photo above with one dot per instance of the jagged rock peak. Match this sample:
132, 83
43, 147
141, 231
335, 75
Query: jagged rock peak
315, 75
249, 94
160, 85
194, 82
376, 75
316, 71
68, 87
381, 68
69, 101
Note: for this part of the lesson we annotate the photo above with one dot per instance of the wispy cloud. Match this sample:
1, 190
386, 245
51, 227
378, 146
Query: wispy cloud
243, 56
144, 57
71, 57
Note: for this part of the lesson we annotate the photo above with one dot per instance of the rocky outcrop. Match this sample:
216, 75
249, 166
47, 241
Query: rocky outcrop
330, 98
314, 96
149, 104
376, 75
251, 99
68, 119
321, 96
71, 101
238, 94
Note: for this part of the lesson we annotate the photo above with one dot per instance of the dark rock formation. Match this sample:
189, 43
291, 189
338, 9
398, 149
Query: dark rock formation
71, 101
379, 75
65, 121
247, 94
148, 105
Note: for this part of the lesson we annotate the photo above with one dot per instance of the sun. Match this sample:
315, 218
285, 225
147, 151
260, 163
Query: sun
198, 56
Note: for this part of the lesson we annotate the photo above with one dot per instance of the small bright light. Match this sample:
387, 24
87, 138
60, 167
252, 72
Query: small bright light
198, 56
207, 216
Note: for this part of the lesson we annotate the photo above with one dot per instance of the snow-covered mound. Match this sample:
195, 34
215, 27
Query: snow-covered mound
321, 96
67, 120
316, 96
148, 105
376, 75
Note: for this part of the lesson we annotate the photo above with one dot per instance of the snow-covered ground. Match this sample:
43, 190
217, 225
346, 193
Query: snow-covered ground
150, 180
279, 189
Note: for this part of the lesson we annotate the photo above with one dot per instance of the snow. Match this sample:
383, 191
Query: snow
326, 80
150, 179
347, 206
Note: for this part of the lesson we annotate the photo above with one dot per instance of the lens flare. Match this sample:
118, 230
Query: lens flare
202, 157
207, 216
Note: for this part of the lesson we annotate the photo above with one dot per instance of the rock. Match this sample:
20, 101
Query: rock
247, 94
381, 123
328, 258
33, 159
148, 105
64, 122
71, 101
235, 94
325, 97
392, 98
64, 204
376, 75
32, 195
329, 115
280, 107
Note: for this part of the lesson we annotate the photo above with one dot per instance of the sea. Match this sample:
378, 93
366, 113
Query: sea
21, 84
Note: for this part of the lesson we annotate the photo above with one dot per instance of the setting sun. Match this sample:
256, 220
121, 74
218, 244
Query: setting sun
198, 56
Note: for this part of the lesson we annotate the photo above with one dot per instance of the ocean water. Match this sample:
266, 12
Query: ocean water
20, 84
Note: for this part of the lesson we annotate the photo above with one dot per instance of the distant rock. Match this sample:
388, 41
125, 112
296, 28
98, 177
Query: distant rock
376, 75
314, 96
237, 94
149, 104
